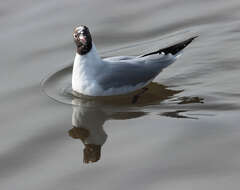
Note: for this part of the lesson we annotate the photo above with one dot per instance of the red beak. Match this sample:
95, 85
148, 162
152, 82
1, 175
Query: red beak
82, 39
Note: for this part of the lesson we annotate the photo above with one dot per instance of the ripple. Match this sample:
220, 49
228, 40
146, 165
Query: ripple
57, 85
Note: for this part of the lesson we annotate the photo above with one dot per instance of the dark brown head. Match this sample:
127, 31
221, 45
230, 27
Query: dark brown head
82, 39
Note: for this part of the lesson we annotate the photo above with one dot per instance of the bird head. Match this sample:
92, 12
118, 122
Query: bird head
82, 39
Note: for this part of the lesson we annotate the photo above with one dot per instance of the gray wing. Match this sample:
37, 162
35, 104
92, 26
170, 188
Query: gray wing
132, 71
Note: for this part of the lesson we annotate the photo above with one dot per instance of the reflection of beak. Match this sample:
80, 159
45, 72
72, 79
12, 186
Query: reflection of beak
82, 39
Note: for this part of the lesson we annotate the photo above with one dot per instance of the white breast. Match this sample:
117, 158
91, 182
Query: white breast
85, 69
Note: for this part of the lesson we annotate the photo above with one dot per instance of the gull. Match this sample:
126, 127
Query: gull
94, 76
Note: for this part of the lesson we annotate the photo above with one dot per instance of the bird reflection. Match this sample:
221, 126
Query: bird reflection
90, 114
88, 124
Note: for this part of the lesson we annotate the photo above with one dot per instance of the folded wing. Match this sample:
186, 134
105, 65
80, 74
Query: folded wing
131, 72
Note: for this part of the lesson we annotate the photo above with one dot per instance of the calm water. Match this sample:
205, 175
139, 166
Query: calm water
181, 134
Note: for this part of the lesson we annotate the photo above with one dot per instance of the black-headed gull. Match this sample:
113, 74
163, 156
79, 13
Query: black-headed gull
94, 76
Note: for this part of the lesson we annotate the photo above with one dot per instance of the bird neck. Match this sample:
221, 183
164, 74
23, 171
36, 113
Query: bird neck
85, 68
91, 57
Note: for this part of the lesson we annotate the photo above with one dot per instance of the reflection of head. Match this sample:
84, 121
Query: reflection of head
91, 153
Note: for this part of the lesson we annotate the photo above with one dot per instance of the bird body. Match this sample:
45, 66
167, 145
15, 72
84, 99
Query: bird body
94, 76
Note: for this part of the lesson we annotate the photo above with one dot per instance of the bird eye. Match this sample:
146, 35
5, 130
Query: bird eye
75, 35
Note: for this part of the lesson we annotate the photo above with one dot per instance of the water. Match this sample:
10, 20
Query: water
184, 137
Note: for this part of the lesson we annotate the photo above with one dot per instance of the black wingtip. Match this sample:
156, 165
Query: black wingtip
174, 49
192, 38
